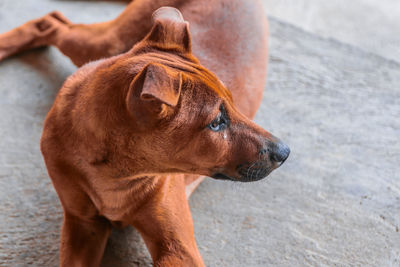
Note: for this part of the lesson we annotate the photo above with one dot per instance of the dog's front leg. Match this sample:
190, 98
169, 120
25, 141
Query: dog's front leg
166, 225
83, 241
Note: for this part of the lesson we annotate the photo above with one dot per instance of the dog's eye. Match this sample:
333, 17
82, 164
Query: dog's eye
218, 124
221, 122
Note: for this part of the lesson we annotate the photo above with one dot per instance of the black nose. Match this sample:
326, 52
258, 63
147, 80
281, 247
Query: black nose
279, 152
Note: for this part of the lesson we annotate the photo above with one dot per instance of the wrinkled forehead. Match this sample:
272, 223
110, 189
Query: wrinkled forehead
214, 84
192, 70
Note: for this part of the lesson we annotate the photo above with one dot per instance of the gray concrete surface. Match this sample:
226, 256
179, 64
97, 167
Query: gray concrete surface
335, 202
373, 25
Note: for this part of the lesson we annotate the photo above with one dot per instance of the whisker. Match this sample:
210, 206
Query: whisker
249, 168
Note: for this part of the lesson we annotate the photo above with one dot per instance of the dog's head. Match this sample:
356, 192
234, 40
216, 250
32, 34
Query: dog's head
186, 116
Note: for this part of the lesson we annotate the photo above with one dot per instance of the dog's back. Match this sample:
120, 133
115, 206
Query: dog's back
229, 38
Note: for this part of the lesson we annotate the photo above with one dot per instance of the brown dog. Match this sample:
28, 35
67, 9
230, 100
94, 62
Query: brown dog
123, 128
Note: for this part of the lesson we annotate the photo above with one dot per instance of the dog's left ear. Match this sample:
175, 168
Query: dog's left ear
170, 29
161, 84
154, 90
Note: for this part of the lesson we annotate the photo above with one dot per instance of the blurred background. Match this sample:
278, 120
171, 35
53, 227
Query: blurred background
333, 94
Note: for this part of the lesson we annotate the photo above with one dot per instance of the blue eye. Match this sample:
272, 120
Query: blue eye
221, 122
218, 124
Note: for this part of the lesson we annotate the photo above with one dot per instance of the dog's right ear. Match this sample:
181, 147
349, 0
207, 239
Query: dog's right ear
170, 29
154, 91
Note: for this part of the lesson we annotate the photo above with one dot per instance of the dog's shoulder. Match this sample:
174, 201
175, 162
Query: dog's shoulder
65, 117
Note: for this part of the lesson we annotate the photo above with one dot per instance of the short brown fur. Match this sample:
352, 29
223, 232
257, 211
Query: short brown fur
127, 133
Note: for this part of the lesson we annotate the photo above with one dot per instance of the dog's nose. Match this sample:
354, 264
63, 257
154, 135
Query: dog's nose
279, 152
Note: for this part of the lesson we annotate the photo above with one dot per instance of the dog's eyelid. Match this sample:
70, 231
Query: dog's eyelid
215, 119
223, 114
221, 122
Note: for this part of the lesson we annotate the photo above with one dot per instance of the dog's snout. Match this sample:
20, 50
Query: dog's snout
279, 152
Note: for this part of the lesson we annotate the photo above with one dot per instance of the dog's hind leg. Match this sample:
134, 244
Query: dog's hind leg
84, 42
32, 34
81, 43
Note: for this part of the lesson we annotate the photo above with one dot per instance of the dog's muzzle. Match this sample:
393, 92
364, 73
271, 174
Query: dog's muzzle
271, 157
254, 172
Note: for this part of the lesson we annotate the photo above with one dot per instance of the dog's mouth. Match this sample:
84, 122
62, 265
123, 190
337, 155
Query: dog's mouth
221, 176
251, 177
248, 172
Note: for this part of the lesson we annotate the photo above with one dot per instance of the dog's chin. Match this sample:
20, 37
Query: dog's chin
242, 178
221, 176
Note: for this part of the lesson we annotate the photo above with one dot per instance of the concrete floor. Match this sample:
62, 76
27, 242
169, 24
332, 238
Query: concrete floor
336, 201
372, 25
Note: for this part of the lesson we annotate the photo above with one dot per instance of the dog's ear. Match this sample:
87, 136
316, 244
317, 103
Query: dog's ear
161, 84
170, 29
156, 89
